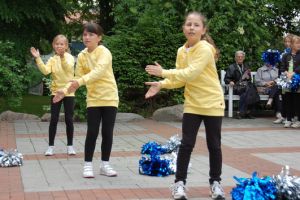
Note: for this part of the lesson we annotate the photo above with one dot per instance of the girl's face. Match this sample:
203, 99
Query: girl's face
296, 46
60, 46
91, 40
287, 42
193, 29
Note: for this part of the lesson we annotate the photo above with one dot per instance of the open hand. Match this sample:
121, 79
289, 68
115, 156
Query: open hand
153, 90
73, 87
59, 95
155, 70
35, 52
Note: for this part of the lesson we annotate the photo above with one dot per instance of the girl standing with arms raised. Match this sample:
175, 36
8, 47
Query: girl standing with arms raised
204, 101
61, 68
94, 70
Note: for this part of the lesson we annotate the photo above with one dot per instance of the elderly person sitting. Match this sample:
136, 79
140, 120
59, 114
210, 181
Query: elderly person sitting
235, 74
265, 81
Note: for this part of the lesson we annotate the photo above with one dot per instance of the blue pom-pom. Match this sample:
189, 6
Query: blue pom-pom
271, 57
295, 83
154, 166
254, 188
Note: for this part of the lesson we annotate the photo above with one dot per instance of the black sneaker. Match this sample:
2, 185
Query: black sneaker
249, 116
238, 116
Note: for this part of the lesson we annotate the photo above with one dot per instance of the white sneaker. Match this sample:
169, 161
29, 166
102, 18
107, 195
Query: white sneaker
295, 124
217, 191
88, 170
178, 191
71, 150
106, 169
287, 124
50, 151
278, 121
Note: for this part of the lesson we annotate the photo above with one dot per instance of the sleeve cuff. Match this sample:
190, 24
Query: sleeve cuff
38, 59
165, 73
162, 84
80, 81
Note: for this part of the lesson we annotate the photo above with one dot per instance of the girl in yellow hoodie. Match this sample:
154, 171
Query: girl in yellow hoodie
94, 70
61, 68
204, 101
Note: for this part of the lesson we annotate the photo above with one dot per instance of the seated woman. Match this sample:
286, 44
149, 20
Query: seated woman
265, 81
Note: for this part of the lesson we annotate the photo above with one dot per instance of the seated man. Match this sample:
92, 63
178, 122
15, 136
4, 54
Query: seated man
265, 81
235, 74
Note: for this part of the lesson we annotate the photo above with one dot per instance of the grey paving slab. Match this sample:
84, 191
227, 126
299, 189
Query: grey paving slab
291, 159
235, 123
37, 127
63, 174
121, 143
266, 138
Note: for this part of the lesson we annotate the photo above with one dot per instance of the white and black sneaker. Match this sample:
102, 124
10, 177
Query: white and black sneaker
178, 191
217, 191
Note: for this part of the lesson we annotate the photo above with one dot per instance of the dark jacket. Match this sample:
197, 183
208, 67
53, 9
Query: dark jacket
233, 73
284, 65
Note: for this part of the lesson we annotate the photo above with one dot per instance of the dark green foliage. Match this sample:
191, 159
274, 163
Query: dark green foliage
27, 22
149, 37
11, 73
80, 104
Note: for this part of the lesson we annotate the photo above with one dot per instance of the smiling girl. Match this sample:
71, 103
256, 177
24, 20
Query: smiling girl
196, 71
61, 68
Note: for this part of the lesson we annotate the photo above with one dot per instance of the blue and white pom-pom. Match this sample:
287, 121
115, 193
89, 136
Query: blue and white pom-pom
283, 82
271, 56
288, 186
159, 160
10, 158
254, 188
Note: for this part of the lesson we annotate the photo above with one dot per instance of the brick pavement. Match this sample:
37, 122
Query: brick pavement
248, 145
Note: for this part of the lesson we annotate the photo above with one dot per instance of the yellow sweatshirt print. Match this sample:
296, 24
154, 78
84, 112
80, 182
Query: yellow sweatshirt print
94, 70
196, 70
61, 70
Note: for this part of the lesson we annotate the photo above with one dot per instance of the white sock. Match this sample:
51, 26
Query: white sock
88, 163
104, 162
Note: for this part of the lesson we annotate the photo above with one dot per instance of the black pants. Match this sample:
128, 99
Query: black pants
94, 117
69, 111
190, 127
274, 93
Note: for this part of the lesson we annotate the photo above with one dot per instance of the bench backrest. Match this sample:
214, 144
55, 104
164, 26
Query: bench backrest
223, 72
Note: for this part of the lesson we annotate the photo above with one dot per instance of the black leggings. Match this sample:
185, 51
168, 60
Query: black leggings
69, 111
94, 117
190, 127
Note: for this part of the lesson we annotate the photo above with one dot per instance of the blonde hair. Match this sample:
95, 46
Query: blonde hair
60, 36
288, 36
295, 38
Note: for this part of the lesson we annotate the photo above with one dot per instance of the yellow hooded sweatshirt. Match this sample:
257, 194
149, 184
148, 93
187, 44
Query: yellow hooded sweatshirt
196, 70
94, 70
61, 70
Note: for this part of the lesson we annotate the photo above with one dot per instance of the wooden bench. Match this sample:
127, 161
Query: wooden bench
230, 97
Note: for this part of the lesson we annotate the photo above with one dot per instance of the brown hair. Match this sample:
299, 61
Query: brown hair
206, 36
93, 28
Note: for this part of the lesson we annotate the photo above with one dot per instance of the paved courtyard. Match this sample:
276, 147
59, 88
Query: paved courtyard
248, 145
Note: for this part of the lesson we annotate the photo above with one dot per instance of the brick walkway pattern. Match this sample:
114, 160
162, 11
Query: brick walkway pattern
247, 145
